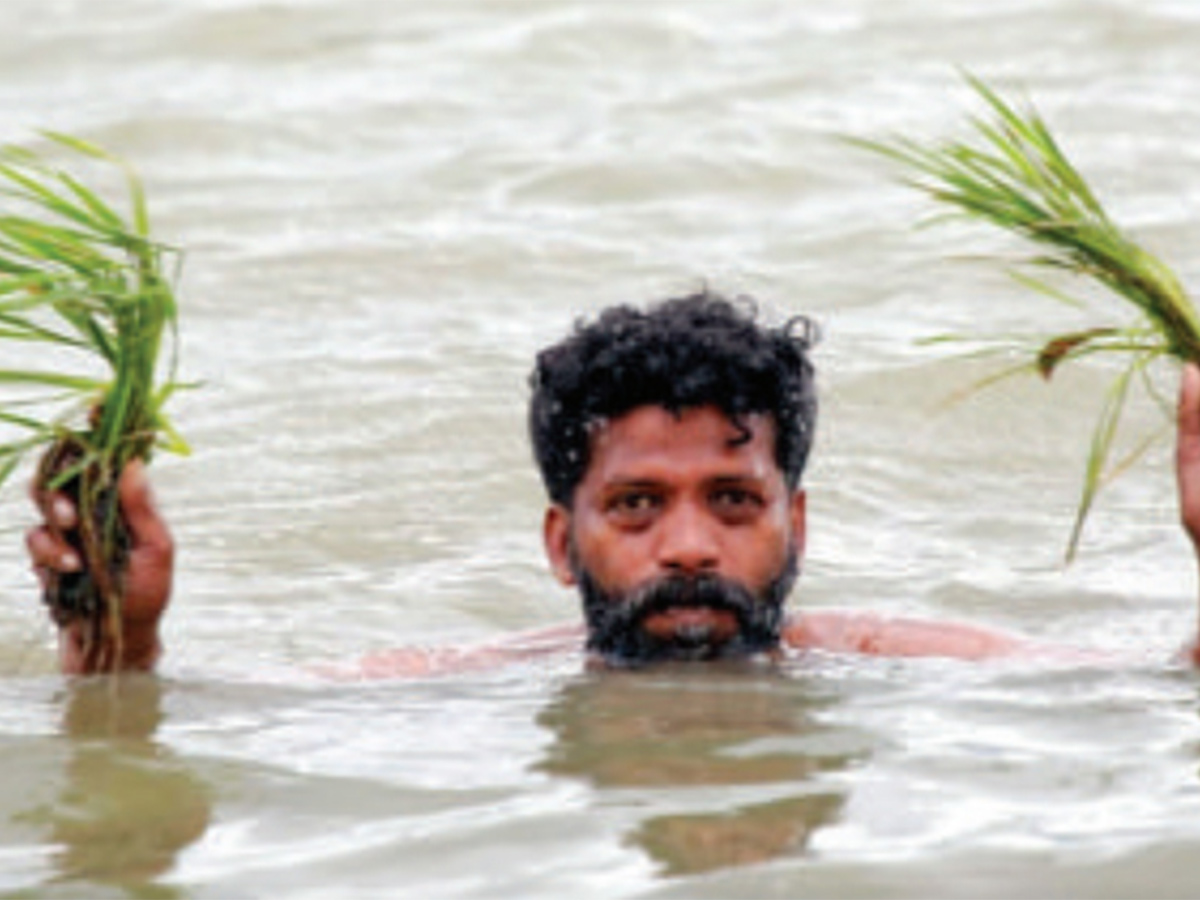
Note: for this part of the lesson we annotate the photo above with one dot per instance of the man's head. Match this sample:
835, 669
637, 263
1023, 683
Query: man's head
671, 441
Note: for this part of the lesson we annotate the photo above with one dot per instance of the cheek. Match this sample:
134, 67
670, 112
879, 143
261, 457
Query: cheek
760, 553
617, 560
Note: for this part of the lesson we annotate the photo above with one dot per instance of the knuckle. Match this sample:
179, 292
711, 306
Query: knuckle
38, 542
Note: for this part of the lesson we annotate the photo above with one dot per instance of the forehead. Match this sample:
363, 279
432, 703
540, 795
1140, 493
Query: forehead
651, 438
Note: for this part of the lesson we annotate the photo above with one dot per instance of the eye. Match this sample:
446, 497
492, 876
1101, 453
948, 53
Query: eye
736, 503
632, 508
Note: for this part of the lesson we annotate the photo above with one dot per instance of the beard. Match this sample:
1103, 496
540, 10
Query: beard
616, 619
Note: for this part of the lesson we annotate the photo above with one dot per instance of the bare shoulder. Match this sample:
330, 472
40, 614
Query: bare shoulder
840, 631
418, 662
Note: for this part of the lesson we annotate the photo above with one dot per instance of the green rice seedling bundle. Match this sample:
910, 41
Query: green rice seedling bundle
1013, 175
88, 293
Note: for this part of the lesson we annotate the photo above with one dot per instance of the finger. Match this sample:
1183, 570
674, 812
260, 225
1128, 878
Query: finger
1189, 399
50, 552
1187, 450
61, 511
146, 527
58, 509
1188, 415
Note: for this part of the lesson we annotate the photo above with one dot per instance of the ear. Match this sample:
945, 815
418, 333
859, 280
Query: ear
797, 512
556, 537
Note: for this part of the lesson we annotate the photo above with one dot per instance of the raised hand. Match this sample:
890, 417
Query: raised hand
146, 580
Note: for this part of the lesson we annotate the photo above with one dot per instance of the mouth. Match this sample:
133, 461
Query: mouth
693, 626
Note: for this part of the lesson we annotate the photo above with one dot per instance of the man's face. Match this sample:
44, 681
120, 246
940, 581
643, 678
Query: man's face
683, 536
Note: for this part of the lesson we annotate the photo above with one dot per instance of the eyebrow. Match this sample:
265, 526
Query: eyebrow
741, 478
618, 484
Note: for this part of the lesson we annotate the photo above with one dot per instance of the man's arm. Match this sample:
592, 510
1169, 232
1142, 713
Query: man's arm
146, 579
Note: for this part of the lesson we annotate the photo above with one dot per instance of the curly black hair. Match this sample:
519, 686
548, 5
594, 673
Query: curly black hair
699, 350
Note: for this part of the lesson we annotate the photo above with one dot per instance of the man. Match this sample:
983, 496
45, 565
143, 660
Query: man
672, 442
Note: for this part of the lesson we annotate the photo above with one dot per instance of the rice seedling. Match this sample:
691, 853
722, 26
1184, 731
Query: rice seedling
83, 286
1014, 175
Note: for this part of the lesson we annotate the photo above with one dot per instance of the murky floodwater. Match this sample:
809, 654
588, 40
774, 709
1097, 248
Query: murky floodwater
388, 207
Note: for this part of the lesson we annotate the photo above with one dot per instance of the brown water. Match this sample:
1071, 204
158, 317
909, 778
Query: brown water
388, 207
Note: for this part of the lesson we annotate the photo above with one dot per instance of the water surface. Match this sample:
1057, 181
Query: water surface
387, 209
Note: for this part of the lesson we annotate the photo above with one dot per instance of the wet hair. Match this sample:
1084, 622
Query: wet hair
699, 350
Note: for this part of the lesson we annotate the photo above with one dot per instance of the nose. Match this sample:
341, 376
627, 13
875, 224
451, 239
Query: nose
688, 544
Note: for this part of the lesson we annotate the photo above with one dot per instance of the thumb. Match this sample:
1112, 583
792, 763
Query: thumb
1187, 450
146, 526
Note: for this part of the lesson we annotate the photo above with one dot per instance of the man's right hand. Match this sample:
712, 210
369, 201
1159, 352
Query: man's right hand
146, 580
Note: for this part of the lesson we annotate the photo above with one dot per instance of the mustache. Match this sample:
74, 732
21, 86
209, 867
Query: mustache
685, 592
